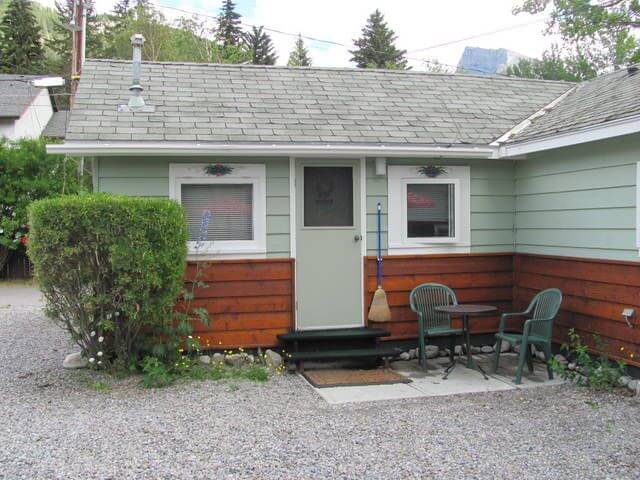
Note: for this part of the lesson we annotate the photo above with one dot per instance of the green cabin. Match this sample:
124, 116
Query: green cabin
496, 186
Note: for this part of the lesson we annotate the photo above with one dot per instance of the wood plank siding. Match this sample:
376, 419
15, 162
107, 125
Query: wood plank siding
480, 278
250, 301
595, 293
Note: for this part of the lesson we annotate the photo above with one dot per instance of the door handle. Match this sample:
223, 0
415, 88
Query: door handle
357, 238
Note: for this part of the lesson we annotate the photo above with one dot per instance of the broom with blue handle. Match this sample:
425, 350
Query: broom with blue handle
379, 311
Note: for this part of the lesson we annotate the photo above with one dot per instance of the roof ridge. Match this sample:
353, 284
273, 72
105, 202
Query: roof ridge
338, 69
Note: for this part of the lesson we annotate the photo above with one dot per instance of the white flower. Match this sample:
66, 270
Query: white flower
91, 360
1, 230
99, 362
99, 354
117, 314
93, 333
190, 337
100, 339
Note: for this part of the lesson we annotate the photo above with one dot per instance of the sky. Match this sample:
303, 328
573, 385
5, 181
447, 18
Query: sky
418, 24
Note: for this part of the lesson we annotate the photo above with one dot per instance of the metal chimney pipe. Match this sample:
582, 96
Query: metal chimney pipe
136, 100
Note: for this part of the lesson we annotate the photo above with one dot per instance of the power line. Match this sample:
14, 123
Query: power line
338, 44
269, 29
479, 35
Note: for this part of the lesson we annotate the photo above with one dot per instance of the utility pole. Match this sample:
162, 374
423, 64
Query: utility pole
78, 29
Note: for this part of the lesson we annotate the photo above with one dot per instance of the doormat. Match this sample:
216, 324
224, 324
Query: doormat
353, 378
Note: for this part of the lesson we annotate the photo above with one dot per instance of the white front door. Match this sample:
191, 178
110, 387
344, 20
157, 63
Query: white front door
328, 244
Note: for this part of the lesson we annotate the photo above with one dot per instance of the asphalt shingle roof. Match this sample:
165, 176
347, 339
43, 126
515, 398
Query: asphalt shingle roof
246, 104
57, 125
609, 97
16, 94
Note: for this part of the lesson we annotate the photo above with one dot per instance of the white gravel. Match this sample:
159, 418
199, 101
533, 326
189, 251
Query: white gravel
53, 425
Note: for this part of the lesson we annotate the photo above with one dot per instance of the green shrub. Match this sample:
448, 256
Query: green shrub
596, 372
28, 173
111, 269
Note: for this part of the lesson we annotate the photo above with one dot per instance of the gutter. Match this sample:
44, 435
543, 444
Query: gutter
592, 133
134, 148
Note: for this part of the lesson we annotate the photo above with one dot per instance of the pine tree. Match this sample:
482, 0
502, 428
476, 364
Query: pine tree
375, 48
299, 56
260, 47
21, 49
229, 31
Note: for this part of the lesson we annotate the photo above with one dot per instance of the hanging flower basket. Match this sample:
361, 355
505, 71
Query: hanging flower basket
431, 171
218, 169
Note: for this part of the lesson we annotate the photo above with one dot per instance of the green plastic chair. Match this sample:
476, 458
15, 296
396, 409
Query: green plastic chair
431, 323
536, 331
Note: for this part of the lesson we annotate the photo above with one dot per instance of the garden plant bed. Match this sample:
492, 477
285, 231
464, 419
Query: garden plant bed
53, 421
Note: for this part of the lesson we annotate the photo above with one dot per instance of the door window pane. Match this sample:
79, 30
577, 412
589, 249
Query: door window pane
430, 210
328, 196
231, 208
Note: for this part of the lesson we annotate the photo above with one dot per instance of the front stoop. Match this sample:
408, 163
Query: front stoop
337, 344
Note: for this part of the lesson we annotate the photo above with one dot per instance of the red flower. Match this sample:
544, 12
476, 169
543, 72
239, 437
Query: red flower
24, 239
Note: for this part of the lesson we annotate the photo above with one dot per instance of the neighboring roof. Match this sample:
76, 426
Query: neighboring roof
613, 96
16, 94
257, 104
57, 125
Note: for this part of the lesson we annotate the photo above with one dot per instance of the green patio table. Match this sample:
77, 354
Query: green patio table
465, 311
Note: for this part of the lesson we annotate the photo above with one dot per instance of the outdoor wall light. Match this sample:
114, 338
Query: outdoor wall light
628, 313
381, 166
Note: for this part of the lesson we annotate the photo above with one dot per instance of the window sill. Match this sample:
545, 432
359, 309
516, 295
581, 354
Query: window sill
428, 248
222, 255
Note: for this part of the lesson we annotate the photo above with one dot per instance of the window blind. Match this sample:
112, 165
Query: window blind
430, 209
231, 207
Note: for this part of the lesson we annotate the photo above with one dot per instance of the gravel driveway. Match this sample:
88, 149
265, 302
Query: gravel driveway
53, 425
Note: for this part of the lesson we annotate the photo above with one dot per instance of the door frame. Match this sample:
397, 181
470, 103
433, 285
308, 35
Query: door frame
293, 225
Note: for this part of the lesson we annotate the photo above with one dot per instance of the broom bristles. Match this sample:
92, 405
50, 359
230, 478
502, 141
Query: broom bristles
379, 311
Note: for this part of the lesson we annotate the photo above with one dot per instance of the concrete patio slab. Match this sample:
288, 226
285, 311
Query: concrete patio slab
462, 380
371, 393
507, 371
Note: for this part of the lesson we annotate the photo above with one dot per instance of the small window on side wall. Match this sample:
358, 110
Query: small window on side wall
429, 214
226, 213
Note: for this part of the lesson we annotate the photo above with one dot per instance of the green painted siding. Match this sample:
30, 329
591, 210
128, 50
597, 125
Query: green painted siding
492, 202
579, 201
574, 201
145, 176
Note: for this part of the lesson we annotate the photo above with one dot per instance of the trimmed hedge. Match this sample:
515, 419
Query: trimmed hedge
111, 269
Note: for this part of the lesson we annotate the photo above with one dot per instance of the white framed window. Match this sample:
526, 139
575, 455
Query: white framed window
226, 213
429, 214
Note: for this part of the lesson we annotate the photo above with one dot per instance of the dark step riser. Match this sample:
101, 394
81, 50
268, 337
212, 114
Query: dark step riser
321, 345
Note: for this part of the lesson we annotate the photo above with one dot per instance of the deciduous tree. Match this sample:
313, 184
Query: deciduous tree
553, 66
603, 33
